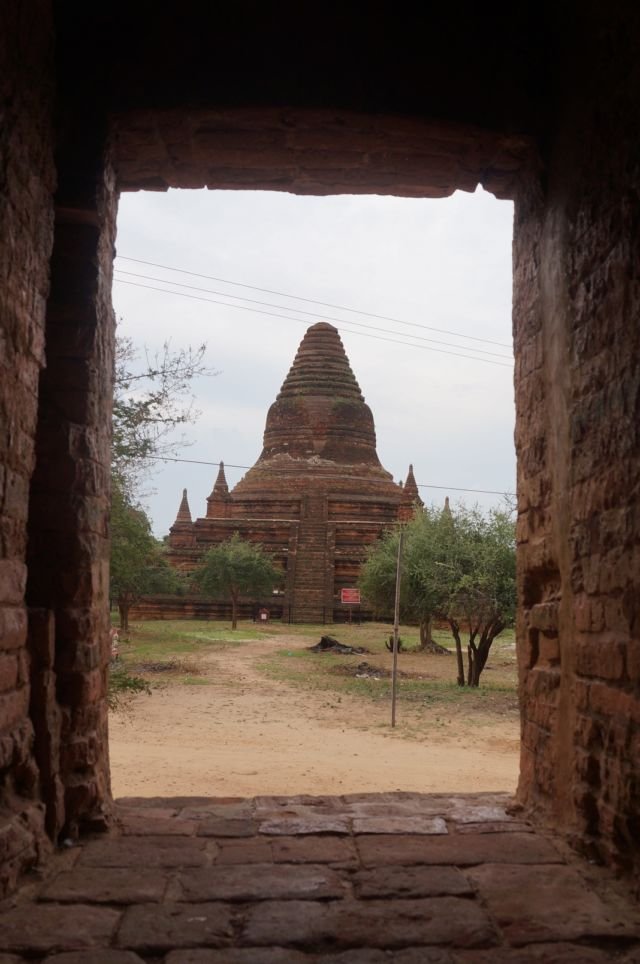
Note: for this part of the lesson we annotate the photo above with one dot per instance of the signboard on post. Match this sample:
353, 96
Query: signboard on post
350, 597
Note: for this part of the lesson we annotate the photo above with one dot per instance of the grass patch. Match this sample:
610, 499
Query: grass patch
169, 650
374, 635
424, 681
155, 641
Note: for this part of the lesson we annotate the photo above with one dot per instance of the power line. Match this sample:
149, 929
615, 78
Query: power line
271, 314
312, 301
312, 314
355, 478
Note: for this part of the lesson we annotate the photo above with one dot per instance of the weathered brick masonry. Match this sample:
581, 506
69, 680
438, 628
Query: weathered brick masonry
538, 104
577, 340
27, 180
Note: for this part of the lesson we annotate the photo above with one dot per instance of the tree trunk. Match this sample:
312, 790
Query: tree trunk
489, 633
472, 655
427, 642
425, 631
470, 664
455, 629
234, 610
123, 609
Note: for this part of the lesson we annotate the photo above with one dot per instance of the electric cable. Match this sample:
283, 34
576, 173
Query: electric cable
212, 301
355, 478
312, 314
312, 301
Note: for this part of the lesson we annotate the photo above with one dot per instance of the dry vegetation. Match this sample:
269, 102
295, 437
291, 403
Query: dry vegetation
179, 651
256, 712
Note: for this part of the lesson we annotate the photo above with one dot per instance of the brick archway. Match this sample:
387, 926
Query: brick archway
544, 137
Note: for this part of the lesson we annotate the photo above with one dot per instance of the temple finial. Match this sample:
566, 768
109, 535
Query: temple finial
410, 491
184, 512
410, 497
220, 488
217, 501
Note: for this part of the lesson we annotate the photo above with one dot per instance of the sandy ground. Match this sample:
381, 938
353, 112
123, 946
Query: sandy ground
243, 734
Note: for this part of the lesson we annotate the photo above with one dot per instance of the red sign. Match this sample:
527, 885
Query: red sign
350, 597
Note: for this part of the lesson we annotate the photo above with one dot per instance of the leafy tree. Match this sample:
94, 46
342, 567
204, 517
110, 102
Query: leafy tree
236, 568
138, 563
481, 584
152, 398
420, 598
458, 566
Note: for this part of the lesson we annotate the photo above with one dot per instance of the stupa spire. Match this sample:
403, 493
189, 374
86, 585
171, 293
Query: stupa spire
410, 497
182, 532
220, 487
411, 493
447, 507
321, 367
184, 512
320, 411
218, 500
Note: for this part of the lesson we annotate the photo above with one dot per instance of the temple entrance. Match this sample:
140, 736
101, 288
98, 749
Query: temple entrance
392, 337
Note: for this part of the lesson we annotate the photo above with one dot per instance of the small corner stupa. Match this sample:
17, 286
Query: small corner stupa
317, 497
182, 528
410, 500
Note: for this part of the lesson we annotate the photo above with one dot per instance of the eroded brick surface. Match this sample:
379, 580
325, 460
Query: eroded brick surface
247, 955
312, 898
550, 903
106, 885
153, 927
27, 184
243, 851
259, 882
391, 923
546, 954
323, 850
460, 850
167, 851
416, 881
46, 927
96, 956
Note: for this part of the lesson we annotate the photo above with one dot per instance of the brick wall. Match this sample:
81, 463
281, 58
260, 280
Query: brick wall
577, 303
26, 226
68, 550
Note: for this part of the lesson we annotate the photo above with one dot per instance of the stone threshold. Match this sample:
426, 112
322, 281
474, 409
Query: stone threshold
357, 879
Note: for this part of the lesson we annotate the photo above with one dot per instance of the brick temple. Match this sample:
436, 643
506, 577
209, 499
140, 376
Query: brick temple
318, 496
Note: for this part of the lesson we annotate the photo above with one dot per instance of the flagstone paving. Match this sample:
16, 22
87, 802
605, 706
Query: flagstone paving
361, 879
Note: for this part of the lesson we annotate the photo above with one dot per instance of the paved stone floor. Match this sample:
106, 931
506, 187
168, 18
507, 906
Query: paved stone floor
361, 879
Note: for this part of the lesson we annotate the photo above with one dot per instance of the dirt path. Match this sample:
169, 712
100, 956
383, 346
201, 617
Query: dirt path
242, 734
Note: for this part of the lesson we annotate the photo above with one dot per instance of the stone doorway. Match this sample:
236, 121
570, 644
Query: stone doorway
540, 106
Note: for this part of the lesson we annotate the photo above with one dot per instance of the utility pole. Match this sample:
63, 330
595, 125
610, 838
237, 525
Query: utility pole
396, 627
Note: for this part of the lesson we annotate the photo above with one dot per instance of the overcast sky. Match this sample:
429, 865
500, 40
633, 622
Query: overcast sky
439, 263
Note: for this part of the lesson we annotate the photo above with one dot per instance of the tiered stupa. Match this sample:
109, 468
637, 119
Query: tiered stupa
317, 497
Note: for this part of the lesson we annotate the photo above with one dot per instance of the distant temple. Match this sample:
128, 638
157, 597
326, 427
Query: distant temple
317, 497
